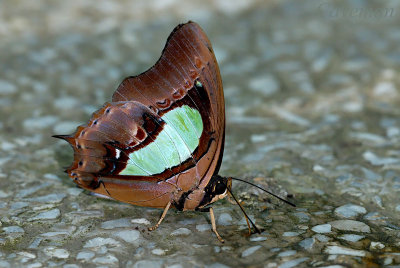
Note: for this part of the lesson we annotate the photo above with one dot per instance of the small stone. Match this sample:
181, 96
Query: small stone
302, 217
250, 251
77, 217
351, 237
374, 216
177, 265
322, 238
226, 248
38, 123
291, 117
393, 132
28, 191
100, 241
291, 234
6, 87
321, 62
203, 227
35, 265
350, 225
217, 265
370, 175
293, 263
50, 198
44, 206
70, 265
255, 138
181, 231
338, 250
5, 219
3, 194
158, 251
387, 261
13, 229
307, 243
302, 227
102, 250
74, 191
35, 243
368, 137
119, 223
258, 239
376, 245
129, 236
27, 255
287, 253
225, 219
47, 215
377, 161
107, 259
265, 84
52, 234
322, 228
385, 90
318, 168
4, 264
349, 211
52, 177
140, 221
148, 264
19, 205
378, 201
64, 102
85, 255
56, 252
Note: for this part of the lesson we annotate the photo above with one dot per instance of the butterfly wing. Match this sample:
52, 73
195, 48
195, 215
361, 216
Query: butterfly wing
186, 73
163, 130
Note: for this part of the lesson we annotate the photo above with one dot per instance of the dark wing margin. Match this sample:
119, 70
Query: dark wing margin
186, 57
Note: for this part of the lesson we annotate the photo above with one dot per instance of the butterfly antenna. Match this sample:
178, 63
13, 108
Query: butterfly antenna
244, 212
255, 185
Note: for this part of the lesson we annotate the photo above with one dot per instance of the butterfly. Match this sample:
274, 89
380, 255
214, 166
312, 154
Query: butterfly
160, 141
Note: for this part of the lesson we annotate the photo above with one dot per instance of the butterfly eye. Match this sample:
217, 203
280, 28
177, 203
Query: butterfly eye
220, 188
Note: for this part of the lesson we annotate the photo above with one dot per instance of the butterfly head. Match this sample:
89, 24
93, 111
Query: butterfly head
217, 188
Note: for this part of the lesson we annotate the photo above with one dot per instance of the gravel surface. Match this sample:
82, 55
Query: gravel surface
312, 101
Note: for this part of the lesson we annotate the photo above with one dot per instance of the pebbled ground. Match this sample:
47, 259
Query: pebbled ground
312, 102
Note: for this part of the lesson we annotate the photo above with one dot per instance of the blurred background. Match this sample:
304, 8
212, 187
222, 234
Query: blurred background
312, 105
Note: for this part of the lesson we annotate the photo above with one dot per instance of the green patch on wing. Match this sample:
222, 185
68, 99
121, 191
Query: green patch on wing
173, 145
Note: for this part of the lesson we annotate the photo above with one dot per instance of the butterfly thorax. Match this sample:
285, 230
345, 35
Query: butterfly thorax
200, 197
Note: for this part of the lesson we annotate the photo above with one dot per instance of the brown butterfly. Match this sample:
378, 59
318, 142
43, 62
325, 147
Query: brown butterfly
160, 142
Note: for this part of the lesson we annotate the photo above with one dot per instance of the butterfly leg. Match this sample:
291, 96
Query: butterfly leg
214, 226
162, 217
